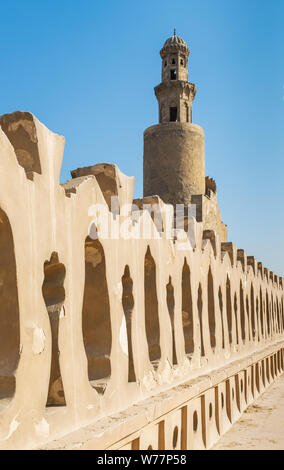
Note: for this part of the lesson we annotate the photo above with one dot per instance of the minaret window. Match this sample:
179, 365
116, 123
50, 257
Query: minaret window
173, 61
165, 64
181, 61
186, 112
173, 74
173, 114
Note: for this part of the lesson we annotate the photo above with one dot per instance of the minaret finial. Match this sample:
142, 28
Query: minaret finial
175, 33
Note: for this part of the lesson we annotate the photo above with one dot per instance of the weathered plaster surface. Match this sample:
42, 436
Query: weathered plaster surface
57, 266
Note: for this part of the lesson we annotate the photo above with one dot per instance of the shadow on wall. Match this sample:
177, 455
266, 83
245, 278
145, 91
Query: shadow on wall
242, 311
151, 308
187, 314
54, 296
220, 298
229, 308
9, 311
200, 315
211, 309
20, 129
171, 310
96, 322
128, 304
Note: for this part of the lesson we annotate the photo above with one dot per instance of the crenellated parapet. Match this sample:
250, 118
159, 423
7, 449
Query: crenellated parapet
110, 308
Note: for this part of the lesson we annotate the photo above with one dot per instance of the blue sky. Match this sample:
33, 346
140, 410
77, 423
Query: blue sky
87, 70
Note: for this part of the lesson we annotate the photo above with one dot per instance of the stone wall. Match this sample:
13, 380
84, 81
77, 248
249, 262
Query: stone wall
208, 212
106, 335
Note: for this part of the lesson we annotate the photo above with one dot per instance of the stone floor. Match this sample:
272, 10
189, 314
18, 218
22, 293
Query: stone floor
262, 424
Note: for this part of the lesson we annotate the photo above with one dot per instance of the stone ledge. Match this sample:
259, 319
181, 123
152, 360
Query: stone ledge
106, 433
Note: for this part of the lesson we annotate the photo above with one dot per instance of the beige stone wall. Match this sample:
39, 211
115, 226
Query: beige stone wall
101, 325
190, 416
208, 212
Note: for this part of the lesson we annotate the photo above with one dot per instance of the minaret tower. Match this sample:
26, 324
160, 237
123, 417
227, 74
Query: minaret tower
174, 162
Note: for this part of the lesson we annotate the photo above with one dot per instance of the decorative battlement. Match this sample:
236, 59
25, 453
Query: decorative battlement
93, 325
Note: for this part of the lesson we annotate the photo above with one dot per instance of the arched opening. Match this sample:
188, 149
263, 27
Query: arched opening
275, 314
236, 317
151, 308
96, 321
221, 312
200, 311
54, 296
248, 316
187, 315
257, 316
282, 313
267, 314
272, 316
252, 311
128, 304
261, 312
211, 309
278, 316
242, 312
229, 308
171, 310
9, 311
